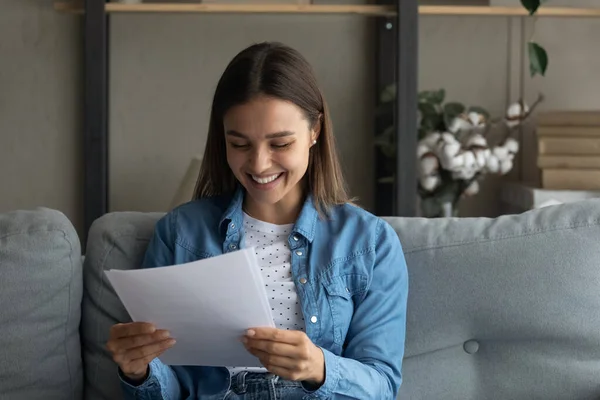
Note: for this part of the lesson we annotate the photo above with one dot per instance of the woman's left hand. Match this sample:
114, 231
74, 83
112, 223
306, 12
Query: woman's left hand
288, 354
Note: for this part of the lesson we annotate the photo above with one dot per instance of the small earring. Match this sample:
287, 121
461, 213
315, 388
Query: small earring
314, 142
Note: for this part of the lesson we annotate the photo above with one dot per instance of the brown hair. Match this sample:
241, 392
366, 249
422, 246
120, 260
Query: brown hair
275, 70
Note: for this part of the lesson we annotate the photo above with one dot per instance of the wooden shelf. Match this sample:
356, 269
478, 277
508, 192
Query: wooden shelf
367, 10
509, 11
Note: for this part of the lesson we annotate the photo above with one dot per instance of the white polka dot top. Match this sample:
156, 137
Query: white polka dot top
273, 254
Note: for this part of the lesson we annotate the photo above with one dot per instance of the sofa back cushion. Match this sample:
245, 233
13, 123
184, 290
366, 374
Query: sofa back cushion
116, 241
505, 308
40, 298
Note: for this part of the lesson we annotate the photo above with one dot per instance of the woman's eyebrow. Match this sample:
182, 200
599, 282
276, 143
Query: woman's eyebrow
269, 136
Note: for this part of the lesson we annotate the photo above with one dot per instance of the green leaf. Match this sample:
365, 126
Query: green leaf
430, 117
451, 111
538, 59
427, 109
531, 5
388, 94
432, 96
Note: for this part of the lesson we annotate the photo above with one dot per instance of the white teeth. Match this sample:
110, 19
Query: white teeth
265, 179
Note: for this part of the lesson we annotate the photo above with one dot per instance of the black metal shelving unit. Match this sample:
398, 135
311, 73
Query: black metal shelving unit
96, 96
396, 61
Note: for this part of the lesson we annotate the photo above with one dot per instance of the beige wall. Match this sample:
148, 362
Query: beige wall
40, 108
164, 69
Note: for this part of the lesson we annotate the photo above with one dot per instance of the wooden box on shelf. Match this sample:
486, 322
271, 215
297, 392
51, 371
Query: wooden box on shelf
551, 3
569, 150
518, 197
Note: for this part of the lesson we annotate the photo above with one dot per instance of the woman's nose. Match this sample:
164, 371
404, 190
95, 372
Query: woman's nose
260, 160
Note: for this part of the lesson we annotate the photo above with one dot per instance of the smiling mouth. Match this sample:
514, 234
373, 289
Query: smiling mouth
265, 179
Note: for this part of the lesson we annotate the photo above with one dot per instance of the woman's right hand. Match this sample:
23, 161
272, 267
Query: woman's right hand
134, 345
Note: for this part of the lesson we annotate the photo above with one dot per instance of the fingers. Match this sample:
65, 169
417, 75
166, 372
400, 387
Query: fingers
272, 361
130, 342
143, 352
276, 335
133, 346
277, 348
131, 329
137, 369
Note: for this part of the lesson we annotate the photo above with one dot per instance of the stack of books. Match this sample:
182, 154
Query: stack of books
569, 150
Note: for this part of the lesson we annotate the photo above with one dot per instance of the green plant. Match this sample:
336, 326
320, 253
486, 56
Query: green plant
538, 58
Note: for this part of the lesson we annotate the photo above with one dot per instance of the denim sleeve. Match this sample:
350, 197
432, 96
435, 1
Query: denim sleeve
161, 383
370, 367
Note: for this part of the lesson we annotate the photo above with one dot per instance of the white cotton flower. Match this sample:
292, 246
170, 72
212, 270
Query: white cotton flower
452, 149
448, 146
493, 164
481, 157
459, 124
516, 111
428, 165
505, 166
449, 155
501, 152
464, 173
448, 137
431, 139
452, 163
473, 189
476, 118
476, 140
429, 183
470, 160
515, 114
422, 149
512, 145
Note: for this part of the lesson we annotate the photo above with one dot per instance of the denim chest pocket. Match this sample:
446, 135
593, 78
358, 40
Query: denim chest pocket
342, 293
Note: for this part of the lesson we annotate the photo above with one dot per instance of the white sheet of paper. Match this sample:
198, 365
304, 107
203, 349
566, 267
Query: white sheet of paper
207, 306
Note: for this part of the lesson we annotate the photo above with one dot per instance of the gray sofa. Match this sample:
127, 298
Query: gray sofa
505, 308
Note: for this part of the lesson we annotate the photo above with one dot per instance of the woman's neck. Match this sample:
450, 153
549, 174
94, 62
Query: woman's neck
285, 211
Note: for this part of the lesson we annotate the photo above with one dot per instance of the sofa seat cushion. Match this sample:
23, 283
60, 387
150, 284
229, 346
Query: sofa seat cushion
40, 298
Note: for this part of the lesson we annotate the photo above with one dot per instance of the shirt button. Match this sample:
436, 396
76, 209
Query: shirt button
232, 246
313, 319
303, 280
233, 225
299, 253
295, 238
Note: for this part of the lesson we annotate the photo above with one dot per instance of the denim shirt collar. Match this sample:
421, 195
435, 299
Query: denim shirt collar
305, 224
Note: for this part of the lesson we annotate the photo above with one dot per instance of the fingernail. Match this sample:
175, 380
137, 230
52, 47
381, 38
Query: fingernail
172, 342
250, 332
165, 334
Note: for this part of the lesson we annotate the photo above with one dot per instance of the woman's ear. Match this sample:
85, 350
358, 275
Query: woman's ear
316, 130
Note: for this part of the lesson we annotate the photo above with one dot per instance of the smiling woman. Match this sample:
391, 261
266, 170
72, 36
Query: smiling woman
335, 274
271, 157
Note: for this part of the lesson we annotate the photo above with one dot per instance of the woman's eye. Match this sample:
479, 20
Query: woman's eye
281, 145
238, 146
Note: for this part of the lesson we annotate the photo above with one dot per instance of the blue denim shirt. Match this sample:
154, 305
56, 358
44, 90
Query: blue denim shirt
351, 277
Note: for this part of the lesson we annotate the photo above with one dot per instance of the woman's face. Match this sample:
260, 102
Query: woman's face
268, 143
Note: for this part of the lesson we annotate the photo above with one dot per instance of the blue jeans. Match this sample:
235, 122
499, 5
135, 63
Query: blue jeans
261, 386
